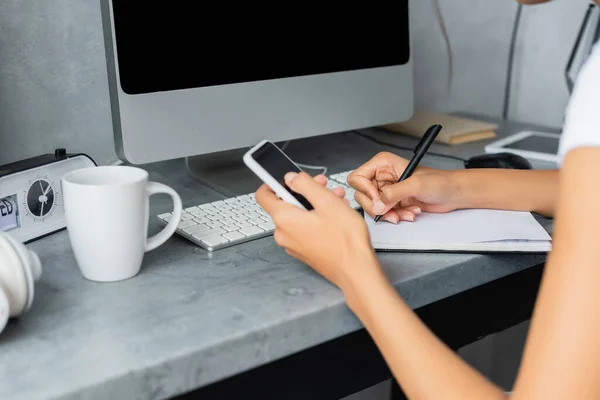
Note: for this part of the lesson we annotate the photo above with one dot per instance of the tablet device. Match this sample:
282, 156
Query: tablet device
533, 145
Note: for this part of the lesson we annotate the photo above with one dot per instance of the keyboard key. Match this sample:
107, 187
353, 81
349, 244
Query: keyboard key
186, 223
196, 228
256, 221
214, 224
230, 228
267, 226
234, 235
197, 213
210, 232
251, 230
209, 209
214, 240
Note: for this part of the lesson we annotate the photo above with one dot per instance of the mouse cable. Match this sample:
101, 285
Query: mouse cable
398, 147
323, 168
314, 167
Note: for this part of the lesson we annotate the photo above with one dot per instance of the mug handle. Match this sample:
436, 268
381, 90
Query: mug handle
168, 231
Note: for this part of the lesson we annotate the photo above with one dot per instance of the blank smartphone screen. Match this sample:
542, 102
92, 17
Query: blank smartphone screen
276, 163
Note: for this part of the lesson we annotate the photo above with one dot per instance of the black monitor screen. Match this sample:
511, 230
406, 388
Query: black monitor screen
170, 45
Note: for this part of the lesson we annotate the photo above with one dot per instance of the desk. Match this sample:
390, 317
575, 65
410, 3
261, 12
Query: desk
193, 320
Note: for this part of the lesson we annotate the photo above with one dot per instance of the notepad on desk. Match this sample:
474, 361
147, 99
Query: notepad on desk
460, 231
457, 130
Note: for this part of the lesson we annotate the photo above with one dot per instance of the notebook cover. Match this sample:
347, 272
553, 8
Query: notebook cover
482, 252
455, 130
515, 249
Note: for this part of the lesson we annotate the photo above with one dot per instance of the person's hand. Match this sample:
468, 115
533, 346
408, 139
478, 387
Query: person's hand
332, 238
379, 193
338, 191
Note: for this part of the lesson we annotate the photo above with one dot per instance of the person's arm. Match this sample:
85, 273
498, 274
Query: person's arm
424, 366
520, 190
432, 190
562, 357
562, 354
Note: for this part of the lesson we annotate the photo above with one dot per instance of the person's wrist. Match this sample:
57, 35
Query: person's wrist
360, 276
461, 187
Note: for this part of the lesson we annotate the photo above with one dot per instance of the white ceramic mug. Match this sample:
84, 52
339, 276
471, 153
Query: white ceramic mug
107, 213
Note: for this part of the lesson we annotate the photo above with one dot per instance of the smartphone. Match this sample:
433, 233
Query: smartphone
271, 165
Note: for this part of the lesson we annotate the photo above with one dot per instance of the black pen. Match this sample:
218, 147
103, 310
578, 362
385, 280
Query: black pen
419, 151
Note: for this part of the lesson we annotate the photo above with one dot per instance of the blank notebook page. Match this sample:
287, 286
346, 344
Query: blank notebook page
459, 227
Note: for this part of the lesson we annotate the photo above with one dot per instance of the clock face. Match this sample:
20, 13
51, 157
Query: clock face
40, 198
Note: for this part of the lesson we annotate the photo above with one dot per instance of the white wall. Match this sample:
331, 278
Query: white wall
480, 32
53, 90
545, 41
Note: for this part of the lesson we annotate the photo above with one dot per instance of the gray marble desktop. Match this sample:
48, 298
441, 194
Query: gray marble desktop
191, 318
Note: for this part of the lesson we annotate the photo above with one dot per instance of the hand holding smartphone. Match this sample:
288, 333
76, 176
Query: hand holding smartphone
271, 165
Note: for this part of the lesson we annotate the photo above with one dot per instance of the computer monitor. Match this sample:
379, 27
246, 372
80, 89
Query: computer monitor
188, 79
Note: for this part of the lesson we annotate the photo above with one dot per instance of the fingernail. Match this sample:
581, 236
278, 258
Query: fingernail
378, 207
415, 209
290, 176
392, 219
407, 217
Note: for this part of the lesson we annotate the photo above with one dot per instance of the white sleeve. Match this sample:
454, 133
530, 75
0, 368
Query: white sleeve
582, 118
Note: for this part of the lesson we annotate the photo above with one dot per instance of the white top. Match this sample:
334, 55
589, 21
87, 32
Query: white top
582, 119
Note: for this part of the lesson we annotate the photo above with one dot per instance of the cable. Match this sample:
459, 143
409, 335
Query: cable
586, 19
398, 147
442, 24
321, 167
285, 145
119, 162
511, 58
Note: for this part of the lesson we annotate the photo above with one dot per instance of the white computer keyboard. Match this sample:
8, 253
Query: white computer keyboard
236, 220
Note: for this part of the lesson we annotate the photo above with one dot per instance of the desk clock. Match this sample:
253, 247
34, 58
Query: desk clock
31, 196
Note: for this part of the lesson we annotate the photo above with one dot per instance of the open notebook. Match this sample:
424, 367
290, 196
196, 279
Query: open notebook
473, 231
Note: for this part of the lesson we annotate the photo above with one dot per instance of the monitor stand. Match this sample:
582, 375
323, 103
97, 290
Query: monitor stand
224, 172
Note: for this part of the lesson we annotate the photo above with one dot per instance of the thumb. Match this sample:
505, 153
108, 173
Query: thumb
305, 185
393, 194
